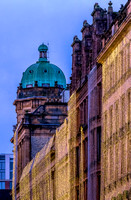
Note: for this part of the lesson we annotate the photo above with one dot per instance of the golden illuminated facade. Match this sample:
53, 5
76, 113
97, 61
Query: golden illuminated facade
116, 107
74, 153
55, 173
47, 175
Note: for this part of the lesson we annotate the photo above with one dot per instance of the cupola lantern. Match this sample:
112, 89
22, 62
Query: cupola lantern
43, 52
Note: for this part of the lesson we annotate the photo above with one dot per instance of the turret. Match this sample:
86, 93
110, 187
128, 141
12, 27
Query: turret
109, 14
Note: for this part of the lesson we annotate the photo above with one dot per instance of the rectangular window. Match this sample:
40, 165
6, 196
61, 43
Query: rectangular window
111, 75
81, 113
11, 168
129, 109
128, 50
11, 165
2, 167
85, 111
2, 162
85, 146
85, 190
11, 175
77, 161
117, 117
100, 99
2, 185
116, 69
2, 157
111, 120
105, 127
122, 158
10, 184
122, 71
78, 118
2, 175
123, 111
116, 162
98, 144
99, 185
77, 193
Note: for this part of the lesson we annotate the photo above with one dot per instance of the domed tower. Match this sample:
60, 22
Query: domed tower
39, 108
41, 82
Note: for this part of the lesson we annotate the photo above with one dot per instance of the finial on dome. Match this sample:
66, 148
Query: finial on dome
110, 3
43, 52
110, 8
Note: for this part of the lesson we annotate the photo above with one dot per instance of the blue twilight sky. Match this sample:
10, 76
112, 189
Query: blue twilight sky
24, 25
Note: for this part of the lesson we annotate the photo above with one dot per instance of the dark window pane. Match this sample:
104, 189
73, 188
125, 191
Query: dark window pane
11, 165
2, 157
11, 175
2, 165
11, 185
98, 143
2, 175
77, 161
2, 185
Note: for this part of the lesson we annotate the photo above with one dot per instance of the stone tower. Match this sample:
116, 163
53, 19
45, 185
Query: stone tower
40, 110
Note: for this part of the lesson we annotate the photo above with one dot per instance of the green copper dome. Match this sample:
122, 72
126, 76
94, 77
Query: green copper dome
43, 72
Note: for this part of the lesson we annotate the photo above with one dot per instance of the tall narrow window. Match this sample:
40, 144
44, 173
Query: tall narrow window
77, 161
100, 99
116, 69
117, 117
110, 74
129, 109
122, 158
113, 73
128, 50
98, 144
77, 193
123, 111
11, 168
122, 70
111, 120
81, 113
85, 153
85, 190
85, 112
116, 162
105, 127
78, 118
111, 164
2, 167
99, 185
